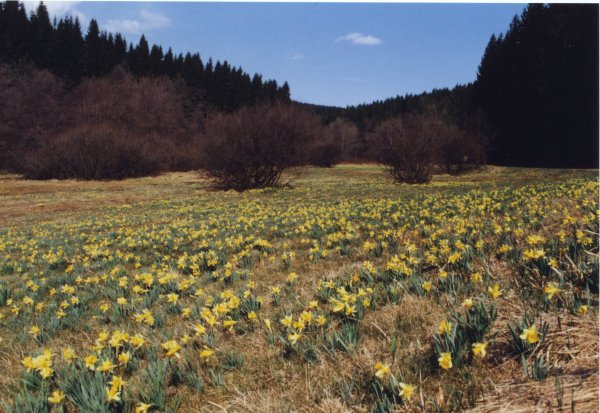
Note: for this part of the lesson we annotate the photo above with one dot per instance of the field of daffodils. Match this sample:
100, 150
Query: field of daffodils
341, 292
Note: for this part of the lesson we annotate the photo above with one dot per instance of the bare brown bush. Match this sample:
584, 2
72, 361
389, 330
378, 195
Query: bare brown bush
325, 154
462, 150
407, 147
31, 110
146, 107
345, 135
116, 127
97, 152
411, 147
252, 147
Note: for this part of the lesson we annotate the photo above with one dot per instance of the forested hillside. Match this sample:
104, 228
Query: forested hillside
62, 48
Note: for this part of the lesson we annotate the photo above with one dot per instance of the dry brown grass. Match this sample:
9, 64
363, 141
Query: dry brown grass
267, 382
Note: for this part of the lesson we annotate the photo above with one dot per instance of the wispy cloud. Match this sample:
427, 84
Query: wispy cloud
59, 9
55, 8
360, 39
147, 21
296, 56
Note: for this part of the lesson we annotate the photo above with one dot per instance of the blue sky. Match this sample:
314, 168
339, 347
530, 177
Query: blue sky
330, 53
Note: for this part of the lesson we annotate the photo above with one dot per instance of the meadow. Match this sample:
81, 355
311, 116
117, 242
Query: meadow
339, 292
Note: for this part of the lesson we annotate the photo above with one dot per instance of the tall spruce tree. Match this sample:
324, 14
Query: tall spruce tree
538, 86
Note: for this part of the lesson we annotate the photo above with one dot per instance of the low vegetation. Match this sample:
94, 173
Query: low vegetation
343, 292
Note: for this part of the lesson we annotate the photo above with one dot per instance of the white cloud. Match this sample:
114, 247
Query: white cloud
147, 21
55, 8
360, 39
154, 20
59, 9
296, 56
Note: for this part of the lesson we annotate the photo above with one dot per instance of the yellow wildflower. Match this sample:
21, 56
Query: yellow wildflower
445, 361
479, 349
427, 285
293, 338
445, 327
381, 370
550, 290
495, 291
531, 335
406, 391
206, 352
172, 348
57, 397
142, 407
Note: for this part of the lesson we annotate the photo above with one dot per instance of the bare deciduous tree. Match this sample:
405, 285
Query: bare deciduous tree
411, 147
407, 147
252, 147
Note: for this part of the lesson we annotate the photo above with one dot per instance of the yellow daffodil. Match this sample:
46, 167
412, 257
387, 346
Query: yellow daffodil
476, 277
530, 334
117, 381
445, 361
113, 394
479, 349
293, 338
57, 397
172, 348
495, 291
286, 321
445, 327
206, 352
406, 391
124, 358
142, 407
533, 254
105, 366
381, 370
550, 290
90, 361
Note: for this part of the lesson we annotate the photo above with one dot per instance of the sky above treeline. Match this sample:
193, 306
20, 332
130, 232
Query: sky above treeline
335, 54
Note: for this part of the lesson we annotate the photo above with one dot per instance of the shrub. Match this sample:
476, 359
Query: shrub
412, 146
461, 151
90, 152
252, 147
345, 135
326, 155
407, 147
32, 109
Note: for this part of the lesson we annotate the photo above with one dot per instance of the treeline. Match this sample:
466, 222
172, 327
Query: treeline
120, 125
451, 106
535, 97
61, 48
538, 87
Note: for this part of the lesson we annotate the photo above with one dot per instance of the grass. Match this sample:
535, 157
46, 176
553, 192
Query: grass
197, 271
